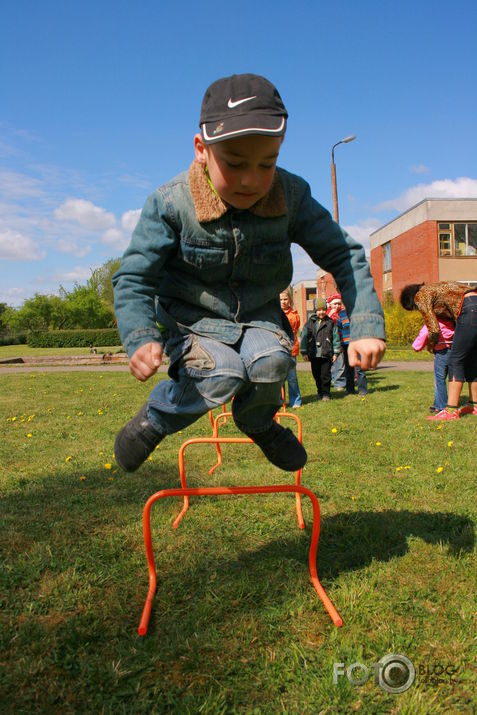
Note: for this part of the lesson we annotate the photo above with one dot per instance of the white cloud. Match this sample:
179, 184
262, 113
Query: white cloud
86, 214
129, 219
77, 275
12, 296
18, 247
68, 246
14, 185
419, 169
463, 187
361, 231
115, 237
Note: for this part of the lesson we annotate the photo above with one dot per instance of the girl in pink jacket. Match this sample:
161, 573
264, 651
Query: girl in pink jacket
441, 359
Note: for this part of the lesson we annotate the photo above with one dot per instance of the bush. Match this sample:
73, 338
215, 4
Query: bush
402, 326
103, 337
13, 339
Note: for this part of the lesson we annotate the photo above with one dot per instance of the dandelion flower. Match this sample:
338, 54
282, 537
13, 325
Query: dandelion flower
398, 469
82, 479
29, 434
378, 444
68, 458
100, 412
334, 430
14, 419
439, 470
450, 443
108, 466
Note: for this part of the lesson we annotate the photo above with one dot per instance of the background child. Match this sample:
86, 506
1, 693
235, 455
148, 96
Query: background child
338, 378
441, 352
343, 325
286, 304
320, 344
207, 262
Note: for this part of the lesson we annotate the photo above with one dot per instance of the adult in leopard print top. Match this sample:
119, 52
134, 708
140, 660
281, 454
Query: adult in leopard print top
459, 303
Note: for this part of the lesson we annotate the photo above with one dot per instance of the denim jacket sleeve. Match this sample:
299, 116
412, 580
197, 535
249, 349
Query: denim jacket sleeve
137, 280
330, 247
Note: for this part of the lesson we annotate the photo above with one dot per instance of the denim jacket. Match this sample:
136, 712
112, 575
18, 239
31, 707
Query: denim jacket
197, 265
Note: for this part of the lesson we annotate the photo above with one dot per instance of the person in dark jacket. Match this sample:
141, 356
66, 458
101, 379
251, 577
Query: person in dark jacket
320, 344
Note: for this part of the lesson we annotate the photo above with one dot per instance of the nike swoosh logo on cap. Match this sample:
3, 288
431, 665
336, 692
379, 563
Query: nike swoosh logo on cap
231, 104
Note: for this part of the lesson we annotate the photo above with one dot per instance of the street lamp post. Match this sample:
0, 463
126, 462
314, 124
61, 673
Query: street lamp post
334, 189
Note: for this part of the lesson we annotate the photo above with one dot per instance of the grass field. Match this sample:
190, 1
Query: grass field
393, 352
236, 626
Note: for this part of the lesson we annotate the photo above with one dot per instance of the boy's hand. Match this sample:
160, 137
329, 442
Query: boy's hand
145, 361
366, 353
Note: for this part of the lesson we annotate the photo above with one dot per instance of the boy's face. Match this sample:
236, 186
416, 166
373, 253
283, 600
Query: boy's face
284, 301
335, 306
321, 312
241, 170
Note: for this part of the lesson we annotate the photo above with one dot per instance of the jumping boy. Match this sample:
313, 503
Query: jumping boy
202, 276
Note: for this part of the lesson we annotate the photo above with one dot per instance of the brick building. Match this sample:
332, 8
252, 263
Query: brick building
304, 293
436, 240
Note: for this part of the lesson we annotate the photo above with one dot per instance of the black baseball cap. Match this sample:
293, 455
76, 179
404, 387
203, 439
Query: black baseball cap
239, 105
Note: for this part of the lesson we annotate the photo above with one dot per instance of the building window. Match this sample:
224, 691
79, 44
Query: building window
387, 257
457, 239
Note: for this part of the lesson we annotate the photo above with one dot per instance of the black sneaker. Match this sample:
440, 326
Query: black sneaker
281, 447
136, 441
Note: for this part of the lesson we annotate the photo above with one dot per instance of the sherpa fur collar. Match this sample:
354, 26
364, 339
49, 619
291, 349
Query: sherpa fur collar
209, 206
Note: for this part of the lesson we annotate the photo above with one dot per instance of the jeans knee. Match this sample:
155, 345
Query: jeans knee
271, 368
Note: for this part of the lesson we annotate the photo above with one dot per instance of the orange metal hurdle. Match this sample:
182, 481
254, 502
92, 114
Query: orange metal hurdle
208, 491
222, 417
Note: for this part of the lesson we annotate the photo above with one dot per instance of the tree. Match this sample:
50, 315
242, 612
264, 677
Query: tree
100, 280
86, 309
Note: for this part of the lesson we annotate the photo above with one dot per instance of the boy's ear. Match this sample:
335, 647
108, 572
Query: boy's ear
200, 149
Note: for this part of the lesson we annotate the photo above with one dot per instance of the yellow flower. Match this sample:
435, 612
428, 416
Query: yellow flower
439, 426
334, 430
149, 459
68, 458
100, 412
14, 419
408, 466
378, 444
110, 479
450, 443
108, 466
80, 414
82, 479
29, 434
439, 470
398, 469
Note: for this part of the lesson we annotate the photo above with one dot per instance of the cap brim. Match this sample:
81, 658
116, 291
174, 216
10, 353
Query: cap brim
240, 126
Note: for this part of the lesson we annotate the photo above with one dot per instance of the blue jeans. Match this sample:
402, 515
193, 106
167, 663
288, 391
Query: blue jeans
338, 372
207, 373
350, 373
441, 370
294, 396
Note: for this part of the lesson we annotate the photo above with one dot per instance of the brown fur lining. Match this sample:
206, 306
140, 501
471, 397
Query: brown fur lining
209, 206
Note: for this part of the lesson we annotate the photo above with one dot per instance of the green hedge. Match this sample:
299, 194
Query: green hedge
13, 339
105, 337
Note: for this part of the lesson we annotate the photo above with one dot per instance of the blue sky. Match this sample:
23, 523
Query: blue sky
100, 100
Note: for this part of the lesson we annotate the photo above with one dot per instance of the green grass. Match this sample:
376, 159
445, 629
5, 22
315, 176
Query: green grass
236, 625
393, 352
11, 351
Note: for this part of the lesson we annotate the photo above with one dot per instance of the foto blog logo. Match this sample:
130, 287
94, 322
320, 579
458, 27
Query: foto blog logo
394, 673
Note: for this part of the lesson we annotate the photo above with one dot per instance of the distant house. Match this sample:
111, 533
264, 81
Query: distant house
436, 240
304, 293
